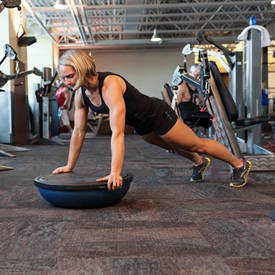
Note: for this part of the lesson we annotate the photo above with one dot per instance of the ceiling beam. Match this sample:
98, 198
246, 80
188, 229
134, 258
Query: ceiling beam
267, 12
86, 19
139, 43
159, 31
202, 4
183, 22
77, 18
36, 18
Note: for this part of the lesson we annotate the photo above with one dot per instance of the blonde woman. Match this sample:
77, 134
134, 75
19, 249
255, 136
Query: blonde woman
153, 120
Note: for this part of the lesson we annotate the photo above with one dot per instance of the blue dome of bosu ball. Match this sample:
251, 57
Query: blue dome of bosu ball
71, 190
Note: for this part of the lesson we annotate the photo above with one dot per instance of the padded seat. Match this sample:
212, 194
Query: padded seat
250, 121
245, 122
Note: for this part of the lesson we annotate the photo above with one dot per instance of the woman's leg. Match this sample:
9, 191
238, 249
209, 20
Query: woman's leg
155, 139
201, 164
182, 138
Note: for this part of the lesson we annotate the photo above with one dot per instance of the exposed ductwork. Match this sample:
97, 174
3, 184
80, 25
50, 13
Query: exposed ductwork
131, 22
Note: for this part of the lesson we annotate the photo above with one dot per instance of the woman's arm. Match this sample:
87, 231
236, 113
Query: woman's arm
80, 119
112, 93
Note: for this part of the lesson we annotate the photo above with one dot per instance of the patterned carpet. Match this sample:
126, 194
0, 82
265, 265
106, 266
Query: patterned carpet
164, 224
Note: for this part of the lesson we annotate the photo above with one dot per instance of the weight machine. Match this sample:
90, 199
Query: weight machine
246, 121
218, 100
212, 99
45, 109
248, 101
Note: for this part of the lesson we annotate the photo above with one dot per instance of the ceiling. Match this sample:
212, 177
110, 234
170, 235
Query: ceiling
130, 23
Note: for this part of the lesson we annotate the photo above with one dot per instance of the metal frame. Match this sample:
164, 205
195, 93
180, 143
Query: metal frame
92, 22
253, 80
236, 82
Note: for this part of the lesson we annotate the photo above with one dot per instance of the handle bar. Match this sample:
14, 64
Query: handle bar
202, 37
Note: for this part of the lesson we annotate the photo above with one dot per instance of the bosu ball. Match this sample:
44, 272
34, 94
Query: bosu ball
71, 190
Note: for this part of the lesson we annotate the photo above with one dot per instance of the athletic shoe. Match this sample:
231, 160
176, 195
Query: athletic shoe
239, 175
198, 171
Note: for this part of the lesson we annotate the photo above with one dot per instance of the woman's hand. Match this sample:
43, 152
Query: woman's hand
63, 169
113, 181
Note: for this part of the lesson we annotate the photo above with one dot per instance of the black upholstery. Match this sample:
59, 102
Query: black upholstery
250, 121
227, 100
169, 91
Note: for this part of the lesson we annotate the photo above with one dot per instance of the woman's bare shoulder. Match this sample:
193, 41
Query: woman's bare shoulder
78, 100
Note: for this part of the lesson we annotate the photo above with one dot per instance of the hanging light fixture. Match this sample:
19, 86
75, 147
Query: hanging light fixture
272, 2
155, 37
60, 5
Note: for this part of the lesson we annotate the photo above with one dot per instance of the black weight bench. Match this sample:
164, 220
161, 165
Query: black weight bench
229, 108
228, 102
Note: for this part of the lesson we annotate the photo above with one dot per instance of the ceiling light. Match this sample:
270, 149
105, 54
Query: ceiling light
273, 2
155, 37
60, 5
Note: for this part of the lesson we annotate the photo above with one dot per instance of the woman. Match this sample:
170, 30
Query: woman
153, 119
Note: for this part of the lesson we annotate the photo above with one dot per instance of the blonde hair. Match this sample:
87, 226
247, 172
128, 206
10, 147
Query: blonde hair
81, 62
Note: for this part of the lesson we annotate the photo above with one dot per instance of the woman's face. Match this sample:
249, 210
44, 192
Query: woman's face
68, 75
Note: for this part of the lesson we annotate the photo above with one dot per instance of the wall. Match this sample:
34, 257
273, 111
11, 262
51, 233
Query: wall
146, 69
4, 39
12, 101
40, 54
15, 20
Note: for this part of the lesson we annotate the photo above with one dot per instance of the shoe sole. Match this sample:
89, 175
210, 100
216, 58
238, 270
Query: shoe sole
245, 179
202, 171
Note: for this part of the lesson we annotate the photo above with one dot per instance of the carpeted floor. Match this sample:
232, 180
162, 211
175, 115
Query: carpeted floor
164, 225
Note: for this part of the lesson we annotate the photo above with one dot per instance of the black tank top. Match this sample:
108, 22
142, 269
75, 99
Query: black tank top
193, 93
138, 105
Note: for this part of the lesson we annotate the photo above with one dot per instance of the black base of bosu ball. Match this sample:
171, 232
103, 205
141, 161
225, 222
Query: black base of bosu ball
70, 190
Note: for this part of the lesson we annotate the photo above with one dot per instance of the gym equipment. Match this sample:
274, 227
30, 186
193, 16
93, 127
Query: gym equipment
26, 41
11, 53
219, 101
234, 67
22, 40
5, 78
45, 109
249, 103
10, 4
193, 113
246, 108
167, 94
7, 101
95, 123
71, 190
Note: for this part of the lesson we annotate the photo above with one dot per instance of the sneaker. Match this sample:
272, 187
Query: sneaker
198, 171
239, 175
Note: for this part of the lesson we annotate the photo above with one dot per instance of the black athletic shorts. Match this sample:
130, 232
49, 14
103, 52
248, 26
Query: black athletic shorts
160, 120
